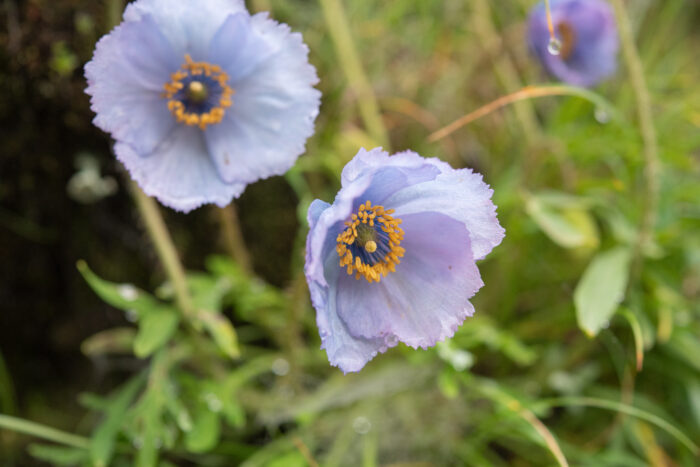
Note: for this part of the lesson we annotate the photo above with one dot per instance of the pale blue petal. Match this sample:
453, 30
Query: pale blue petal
179, 172
125, 79
239, 47
345, 351
189, 25
370, 161
426, 299
273, 110
460, 194
320, 243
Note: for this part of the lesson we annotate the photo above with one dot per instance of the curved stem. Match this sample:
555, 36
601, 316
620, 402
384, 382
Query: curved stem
164, 247
42, 431
528, 92
646, 126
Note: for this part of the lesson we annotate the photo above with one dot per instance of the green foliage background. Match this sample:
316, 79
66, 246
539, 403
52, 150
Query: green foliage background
584, 347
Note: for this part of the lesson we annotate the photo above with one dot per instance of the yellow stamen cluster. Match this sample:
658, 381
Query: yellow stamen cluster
191, 68
370, 215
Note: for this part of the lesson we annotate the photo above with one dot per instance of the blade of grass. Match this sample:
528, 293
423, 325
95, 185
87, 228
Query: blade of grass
622, 408
339, 30
638, 337
42, 431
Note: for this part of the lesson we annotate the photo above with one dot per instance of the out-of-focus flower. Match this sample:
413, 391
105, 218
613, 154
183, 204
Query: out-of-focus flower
586, 52
202, 98
393, 258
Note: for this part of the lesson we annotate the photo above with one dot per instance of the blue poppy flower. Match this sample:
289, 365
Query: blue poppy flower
393, 258
588, 41
202, 98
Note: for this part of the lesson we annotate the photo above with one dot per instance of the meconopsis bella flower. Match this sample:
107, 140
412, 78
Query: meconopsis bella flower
393, 259
586, 46
202, 98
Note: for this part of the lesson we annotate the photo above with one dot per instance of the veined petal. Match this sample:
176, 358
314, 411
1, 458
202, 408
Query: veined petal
239, 48
348, 352
189, 25
426, 299
273, 110
327, 224
125, 79
179, 172
460, 194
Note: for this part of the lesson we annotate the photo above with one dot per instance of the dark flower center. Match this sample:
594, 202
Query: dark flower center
567, 37
370, 245
198, 94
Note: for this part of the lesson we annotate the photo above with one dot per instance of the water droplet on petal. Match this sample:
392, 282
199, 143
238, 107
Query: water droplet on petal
280, 367
361, 425
554, 46
601, 115
128, 292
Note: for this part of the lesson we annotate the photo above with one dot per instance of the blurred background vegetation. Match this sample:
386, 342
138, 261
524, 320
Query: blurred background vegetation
584, 348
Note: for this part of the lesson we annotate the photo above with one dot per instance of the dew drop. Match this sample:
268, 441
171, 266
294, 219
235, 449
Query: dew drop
601, 115
280, 367
128, 292
554, 46
361, 425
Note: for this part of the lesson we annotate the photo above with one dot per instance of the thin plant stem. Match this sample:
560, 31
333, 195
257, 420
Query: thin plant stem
339, 30
157, 230
42, 431
646, 126
528, 92
546, 435
233, 237
550, 23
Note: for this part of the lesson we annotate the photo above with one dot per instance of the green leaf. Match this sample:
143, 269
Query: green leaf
205, 431
222, 331
564, 219
123, 296
111, 341
155, 329
58, 455
601, 289
103, 439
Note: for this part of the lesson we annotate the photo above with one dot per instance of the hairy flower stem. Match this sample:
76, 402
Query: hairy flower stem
165, 248
233, 237
646, 126
339, 30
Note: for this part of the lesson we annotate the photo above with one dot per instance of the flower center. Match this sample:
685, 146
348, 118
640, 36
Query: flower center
369, 246
198, 94
567, 36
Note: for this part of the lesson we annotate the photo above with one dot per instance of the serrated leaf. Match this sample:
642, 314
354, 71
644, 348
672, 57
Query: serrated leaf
565, 221
601, 289
155, 329
58, 455
123, 296
103, 439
